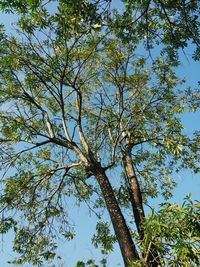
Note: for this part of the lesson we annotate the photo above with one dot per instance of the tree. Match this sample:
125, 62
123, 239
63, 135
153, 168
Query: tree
78, 99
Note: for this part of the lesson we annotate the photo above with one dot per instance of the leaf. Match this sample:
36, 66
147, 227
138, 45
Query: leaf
97, 26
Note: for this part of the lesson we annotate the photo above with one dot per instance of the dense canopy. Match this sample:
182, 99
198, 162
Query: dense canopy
91, 109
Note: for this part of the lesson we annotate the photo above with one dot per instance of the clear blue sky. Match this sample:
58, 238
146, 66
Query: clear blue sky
80, 248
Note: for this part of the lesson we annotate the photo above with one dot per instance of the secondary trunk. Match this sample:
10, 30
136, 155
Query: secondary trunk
135, 194
122, 232
137, 204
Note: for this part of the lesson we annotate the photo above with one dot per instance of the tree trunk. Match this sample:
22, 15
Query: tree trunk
137, 204
135, 194
128, 250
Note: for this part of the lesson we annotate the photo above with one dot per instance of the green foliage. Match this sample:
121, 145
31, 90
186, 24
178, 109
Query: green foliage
91, 263
6, 224
103, 237
174, 231
73, 82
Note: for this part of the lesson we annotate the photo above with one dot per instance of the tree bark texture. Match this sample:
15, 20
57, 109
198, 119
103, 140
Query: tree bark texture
137, 204
135, 194
128, 250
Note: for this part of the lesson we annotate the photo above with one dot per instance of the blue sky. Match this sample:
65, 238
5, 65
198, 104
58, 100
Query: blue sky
80, 248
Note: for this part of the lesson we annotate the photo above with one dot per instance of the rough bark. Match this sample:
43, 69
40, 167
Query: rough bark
128, 250
135, 194
137, 204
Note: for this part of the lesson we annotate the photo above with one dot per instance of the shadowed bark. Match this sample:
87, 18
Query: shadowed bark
137, 205
122, 232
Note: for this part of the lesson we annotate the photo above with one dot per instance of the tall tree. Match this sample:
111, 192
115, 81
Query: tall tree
78, 99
